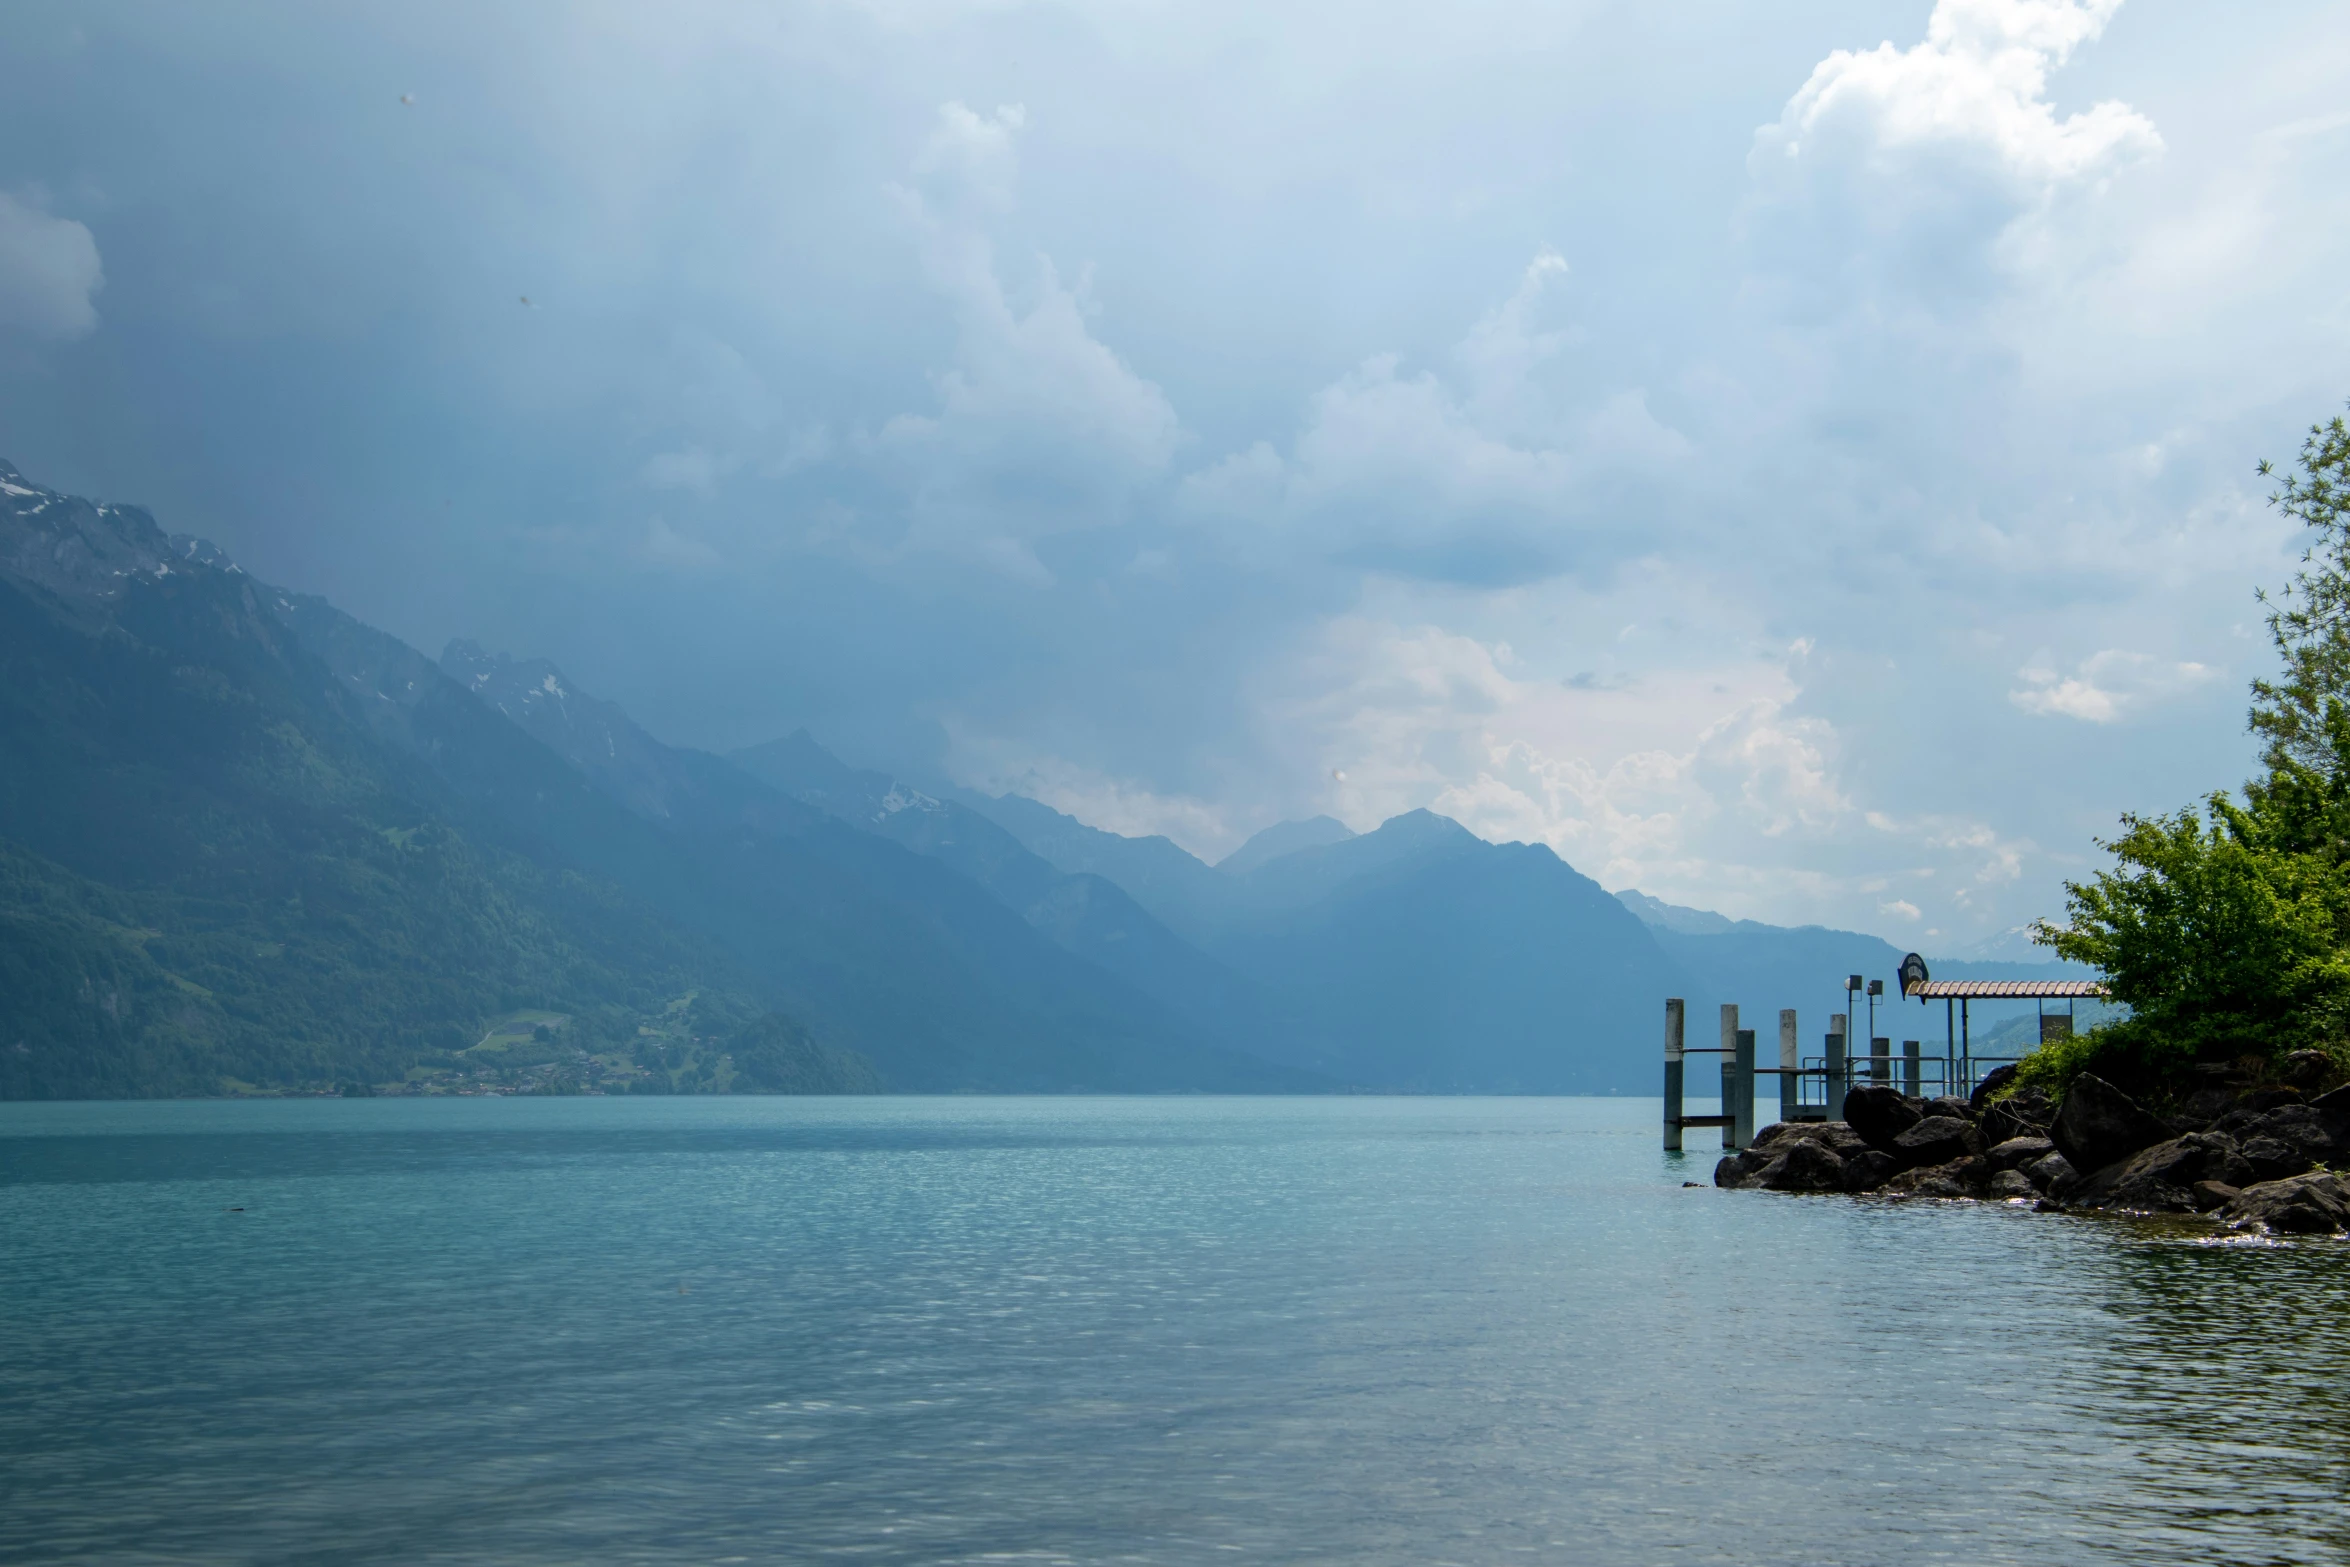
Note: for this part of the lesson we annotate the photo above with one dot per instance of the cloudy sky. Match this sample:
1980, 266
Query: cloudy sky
1794, 456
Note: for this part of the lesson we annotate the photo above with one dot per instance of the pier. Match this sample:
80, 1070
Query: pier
1812, 1088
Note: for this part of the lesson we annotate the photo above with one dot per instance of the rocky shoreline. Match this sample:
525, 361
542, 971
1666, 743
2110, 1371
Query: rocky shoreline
2254, 1159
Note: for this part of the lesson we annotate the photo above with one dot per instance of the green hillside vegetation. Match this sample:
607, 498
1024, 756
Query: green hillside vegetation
214, 877
2226, 929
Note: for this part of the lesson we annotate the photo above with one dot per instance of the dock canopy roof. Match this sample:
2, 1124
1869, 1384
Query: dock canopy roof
2007, 990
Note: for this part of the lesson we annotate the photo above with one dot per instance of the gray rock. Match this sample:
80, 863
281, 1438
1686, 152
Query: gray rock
2317, 1203
2098, 1124
2011, 1186
2226, 1163
1747, 1166
2054, 1175
2214, 1194
2159, 1179
1804, 1166
1868, 1169
1994, 1081
1950, 1105
1879, 1114
2017, 1152
2335, 1103
1835, 1136
2272, 1159
1958, 1178
1840, 1136
1935, 1140
2305, 1127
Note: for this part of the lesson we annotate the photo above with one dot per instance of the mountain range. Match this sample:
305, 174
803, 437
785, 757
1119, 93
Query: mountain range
249, 842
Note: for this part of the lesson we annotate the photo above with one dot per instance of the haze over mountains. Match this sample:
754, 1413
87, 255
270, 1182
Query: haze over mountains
249, 841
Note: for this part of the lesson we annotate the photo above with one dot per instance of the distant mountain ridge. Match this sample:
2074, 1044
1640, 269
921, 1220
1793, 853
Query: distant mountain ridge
345, 859
1284, 838
246, 838
1417, 957
1089, 915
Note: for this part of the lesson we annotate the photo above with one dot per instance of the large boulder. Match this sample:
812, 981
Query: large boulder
1962, 1177
1777, 1130
2054, 1175
2011, 1186
2098, 1124
1880, 1114
1994, 1081
2336, 1103
1937, 1139
1868, 1169
1804, 1166
2314, 1204
1773, 1142
2161, 1179
2273, 1159
2311, 1132
2214, 1194
1947, 1104
2017, 1152
1835, 1136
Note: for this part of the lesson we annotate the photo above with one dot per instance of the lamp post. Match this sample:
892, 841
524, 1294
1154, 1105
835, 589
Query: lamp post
1878, 1070
1851, 988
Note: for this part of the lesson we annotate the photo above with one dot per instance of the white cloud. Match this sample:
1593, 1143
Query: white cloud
1666, 776
1129, 807
1040, 427
49, 270
1930, 176
2106, 686
971, 161
1488, 475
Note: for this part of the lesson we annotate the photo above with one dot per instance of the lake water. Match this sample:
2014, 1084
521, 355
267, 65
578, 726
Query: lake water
1108, 1330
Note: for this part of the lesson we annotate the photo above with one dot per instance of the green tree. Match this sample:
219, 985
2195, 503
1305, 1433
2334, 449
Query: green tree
2310, 619
2220, 933
2227, 932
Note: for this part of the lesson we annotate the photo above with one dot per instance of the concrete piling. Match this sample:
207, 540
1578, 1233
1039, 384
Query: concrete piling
1673, 1067
1730, 1075
1790, 1066
1740, 1132
1839, 1069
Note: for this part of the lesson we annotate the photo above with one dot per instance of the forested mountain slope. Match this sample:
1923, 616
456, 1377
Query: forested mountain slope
249, 839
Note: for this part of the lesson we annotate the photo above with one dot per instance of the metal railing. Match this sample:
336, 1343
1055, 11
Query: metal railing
1811, 1088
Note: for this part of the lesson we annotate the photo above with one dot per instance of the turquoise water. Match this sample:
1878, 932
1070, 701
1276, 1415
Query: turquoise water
1108, 1330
